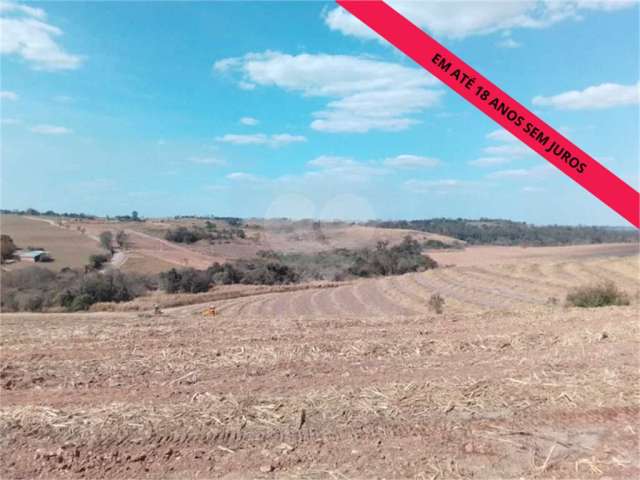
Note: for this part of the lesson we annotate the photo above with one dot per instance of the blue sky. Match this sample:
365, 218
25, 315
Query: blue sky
297, 109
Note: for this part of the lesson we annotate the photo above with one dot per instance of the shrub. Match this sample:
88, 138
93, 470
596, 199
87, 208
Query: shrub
33, 302
436, 303
267, 273
183, 235
225, 274
81, 302
109, 287
8, 247
36, 278
122, 239
606, 293
106, 238
187, 280
97, 261
209, 232
36, 288
403, 258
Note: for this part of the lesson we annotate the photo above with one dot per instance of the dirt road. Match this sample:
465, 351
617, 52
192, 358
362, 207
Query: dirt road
358, 381
169, 252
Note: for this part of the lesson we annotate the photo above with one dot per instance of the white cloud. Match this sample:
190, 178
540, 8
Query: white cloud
606, 95
532, 189
26, 35
538, 171
341, 169
509, 150
489, 161
11, 7
330, 161
51, 130
8, 95
501, 135
411, 161
276, 140
208, 161
508, 43
367, 94
246, 85
455, 19
249, 121
244, 177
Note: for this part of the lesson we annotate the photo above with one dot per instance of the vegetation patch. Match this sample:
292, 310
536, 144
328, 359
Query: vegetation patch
208, 232
38, 289
602, 295
271, 268
436, 303
486, 231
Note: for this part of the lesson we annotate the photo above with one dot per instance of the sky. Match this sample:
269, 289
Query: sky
296, 109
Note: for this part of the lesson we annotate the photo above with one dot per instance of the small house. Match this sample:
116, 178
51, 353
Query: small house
32, 255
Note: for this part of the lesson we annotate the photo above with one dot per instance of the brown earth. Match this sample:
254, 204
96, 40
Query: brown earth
72, 241
358, 380
489, 255
68, 247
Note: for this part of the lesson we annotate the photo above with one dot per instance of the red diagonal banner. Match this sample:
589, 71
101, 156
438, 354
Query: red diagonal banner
499, 106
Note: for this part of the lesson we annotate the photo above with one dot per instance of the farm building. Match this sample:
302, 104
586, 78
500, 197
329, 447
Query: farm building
33, 255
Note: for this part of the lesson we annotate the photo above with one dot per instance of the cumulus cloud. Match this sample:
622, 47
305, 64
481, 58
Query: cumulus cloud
456, 19
275, 141
602, 96
249, 121
322, 171
365, 94
342, 169
508, 43
244, 177
509, 150
538, 171
411, 161
501, 135
51, 130
489, 161
25, 34
8, 95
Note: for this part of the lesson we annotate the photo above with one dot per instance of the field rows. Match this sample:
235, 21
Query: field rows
349, 381
465, 289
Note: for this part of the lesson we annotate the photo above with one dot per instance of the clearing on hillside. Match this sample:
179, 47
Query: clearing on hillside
68, 246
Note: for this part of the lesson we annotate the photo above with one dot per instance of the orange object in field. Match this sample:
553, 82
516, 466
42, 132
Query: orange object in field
209, 312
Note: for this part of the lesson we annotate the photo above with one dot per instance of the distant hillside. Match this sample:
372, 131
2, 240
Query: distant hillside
506, 232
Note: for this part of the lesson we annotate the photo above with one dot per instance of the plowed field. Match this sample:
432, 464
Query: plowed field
360, 380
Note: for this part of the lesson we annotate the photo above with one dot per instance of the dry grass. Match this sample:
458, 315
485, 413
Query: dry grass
525, 393
68, 247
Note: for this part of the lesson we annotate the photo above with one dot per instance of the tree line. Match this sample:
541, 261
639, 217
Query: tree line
487, 231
